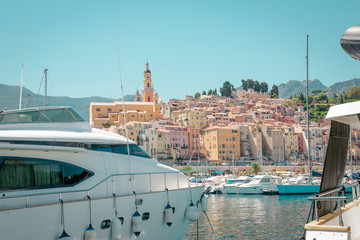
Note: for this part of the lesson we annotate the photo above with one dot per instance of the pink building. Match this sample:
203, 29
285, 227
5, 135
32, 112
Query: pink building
194, 140
178, 139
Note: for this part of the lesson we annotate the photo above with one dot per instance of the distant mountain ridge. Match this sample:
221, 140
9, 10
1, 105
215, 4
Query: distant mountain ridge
9, 99
294, 87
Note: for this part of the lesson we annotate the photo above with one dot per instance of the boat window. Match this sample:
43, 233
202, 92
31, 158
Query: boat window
265, 180
31, 173
41, 115
135, 150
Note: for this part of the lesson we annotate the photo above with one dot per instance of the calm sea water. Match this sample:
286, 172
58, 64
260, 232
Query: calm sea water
252, 217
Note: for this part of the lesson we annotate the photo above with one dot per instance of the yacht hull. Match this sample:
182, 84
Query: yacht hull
293, 189
44, 221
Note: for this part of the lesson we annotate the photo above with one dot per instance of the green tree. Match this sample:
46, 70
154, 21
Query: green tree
316, 91
210, 92
187, 168
257, 86
107, 124
248, 83
353, 93
215, 92
197, 95
204, 93
341, 100
274, 93
226, 89
301, 97
255, 167
264, 87
321, 97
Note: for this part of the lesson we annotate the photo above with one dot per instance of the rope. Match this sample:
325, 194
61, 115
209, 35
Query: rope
123, 101
39, 89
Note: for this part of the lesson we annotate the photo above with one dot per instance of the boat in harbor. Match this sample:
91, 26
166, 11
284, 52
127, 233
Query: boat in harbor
258, 185
62, 179
231, 187
336, 215
309, 187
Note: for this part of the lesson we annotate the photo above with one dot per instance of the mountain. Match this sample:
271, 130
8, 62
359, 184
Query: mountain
10, 100
342, 87
294, 87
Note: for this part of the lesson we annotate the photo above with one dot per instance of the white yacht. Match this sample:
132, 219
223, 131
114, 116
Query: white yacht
334, 218
231, 187
258, 185
62, 179
337, 217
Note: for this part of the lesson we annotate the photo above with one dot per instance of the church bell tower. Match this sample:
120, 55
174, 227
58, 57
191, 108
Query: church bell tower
148, 90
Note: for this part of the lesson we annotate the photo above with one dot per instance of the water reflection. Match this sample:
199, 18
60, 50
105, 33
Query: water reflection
252, 217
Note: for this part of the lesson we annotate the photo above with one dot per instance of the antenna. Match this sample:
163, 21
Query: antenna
22, 60
123, 100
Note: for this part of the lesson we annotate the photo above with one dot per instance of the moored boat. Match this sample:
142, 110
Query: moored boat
81, 181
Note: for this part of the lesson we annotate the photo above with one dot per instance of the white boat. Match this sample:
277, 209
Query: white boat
231, 186
258, 185
330, 220
59, 177
336, 218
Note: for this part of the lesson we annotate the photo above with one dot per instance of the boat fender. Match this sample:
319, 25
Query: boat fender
204, 204
115, 229
64, 235
90, 233
192, 213
169, 215
136, 223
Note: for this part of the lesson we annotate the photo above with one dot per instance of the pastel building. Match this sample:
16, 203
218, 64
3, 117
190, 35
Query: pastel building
191, 118
178, 138
222, 143
144, 111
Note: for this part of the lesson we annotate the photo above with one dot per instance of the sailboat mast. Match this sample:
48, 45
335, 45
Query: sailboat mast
307, 102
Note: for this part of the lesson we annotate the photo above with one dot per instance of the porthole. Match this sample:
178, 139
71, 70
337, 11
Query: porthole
105, 224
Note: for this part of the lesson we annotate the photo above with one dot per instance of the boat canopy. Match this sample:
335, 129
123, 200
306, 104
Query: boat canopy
343, 117
41, 115
348, 113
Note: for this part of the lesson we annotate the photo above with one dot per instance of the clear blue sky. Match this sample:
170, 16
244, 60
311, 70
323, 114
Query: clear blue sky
190, 45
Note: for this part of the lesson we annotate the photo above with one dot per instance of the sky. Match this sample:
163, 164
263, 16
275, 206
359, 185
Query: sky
191, 45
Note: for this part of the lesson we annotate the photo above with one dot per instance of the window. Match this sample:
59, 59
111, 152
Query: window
98, 109
25, 173
121, 149
109, 110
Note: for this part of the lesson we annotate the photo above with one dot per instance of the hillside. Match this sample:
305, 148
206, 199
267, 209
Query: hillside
293, 87
342, 87
10, 100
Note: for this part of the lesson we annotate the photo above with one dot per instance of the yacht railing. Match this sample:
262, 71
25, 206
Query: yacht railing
27, 196
355, 195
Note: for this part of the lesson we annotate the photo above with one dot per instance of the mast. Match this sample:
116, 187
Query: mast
45, 73
307, 101
351, 158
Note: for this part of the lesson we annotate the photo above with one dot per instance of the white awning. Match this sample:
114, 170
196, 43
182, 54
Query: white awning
347, 113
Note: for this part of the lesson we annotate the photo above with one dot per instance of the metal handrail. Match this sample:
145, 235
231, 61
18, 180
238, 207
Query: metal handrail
322, 197
88, 189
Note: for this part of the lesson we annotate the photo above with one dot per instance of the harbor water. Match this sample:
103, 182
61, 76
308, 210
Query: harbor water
252, 217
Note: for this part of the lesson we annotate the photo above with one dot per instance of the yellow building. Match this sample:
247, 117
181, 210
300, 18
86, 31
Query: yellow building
144, 111
192, 118
222, 143
113, 112
291, 143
